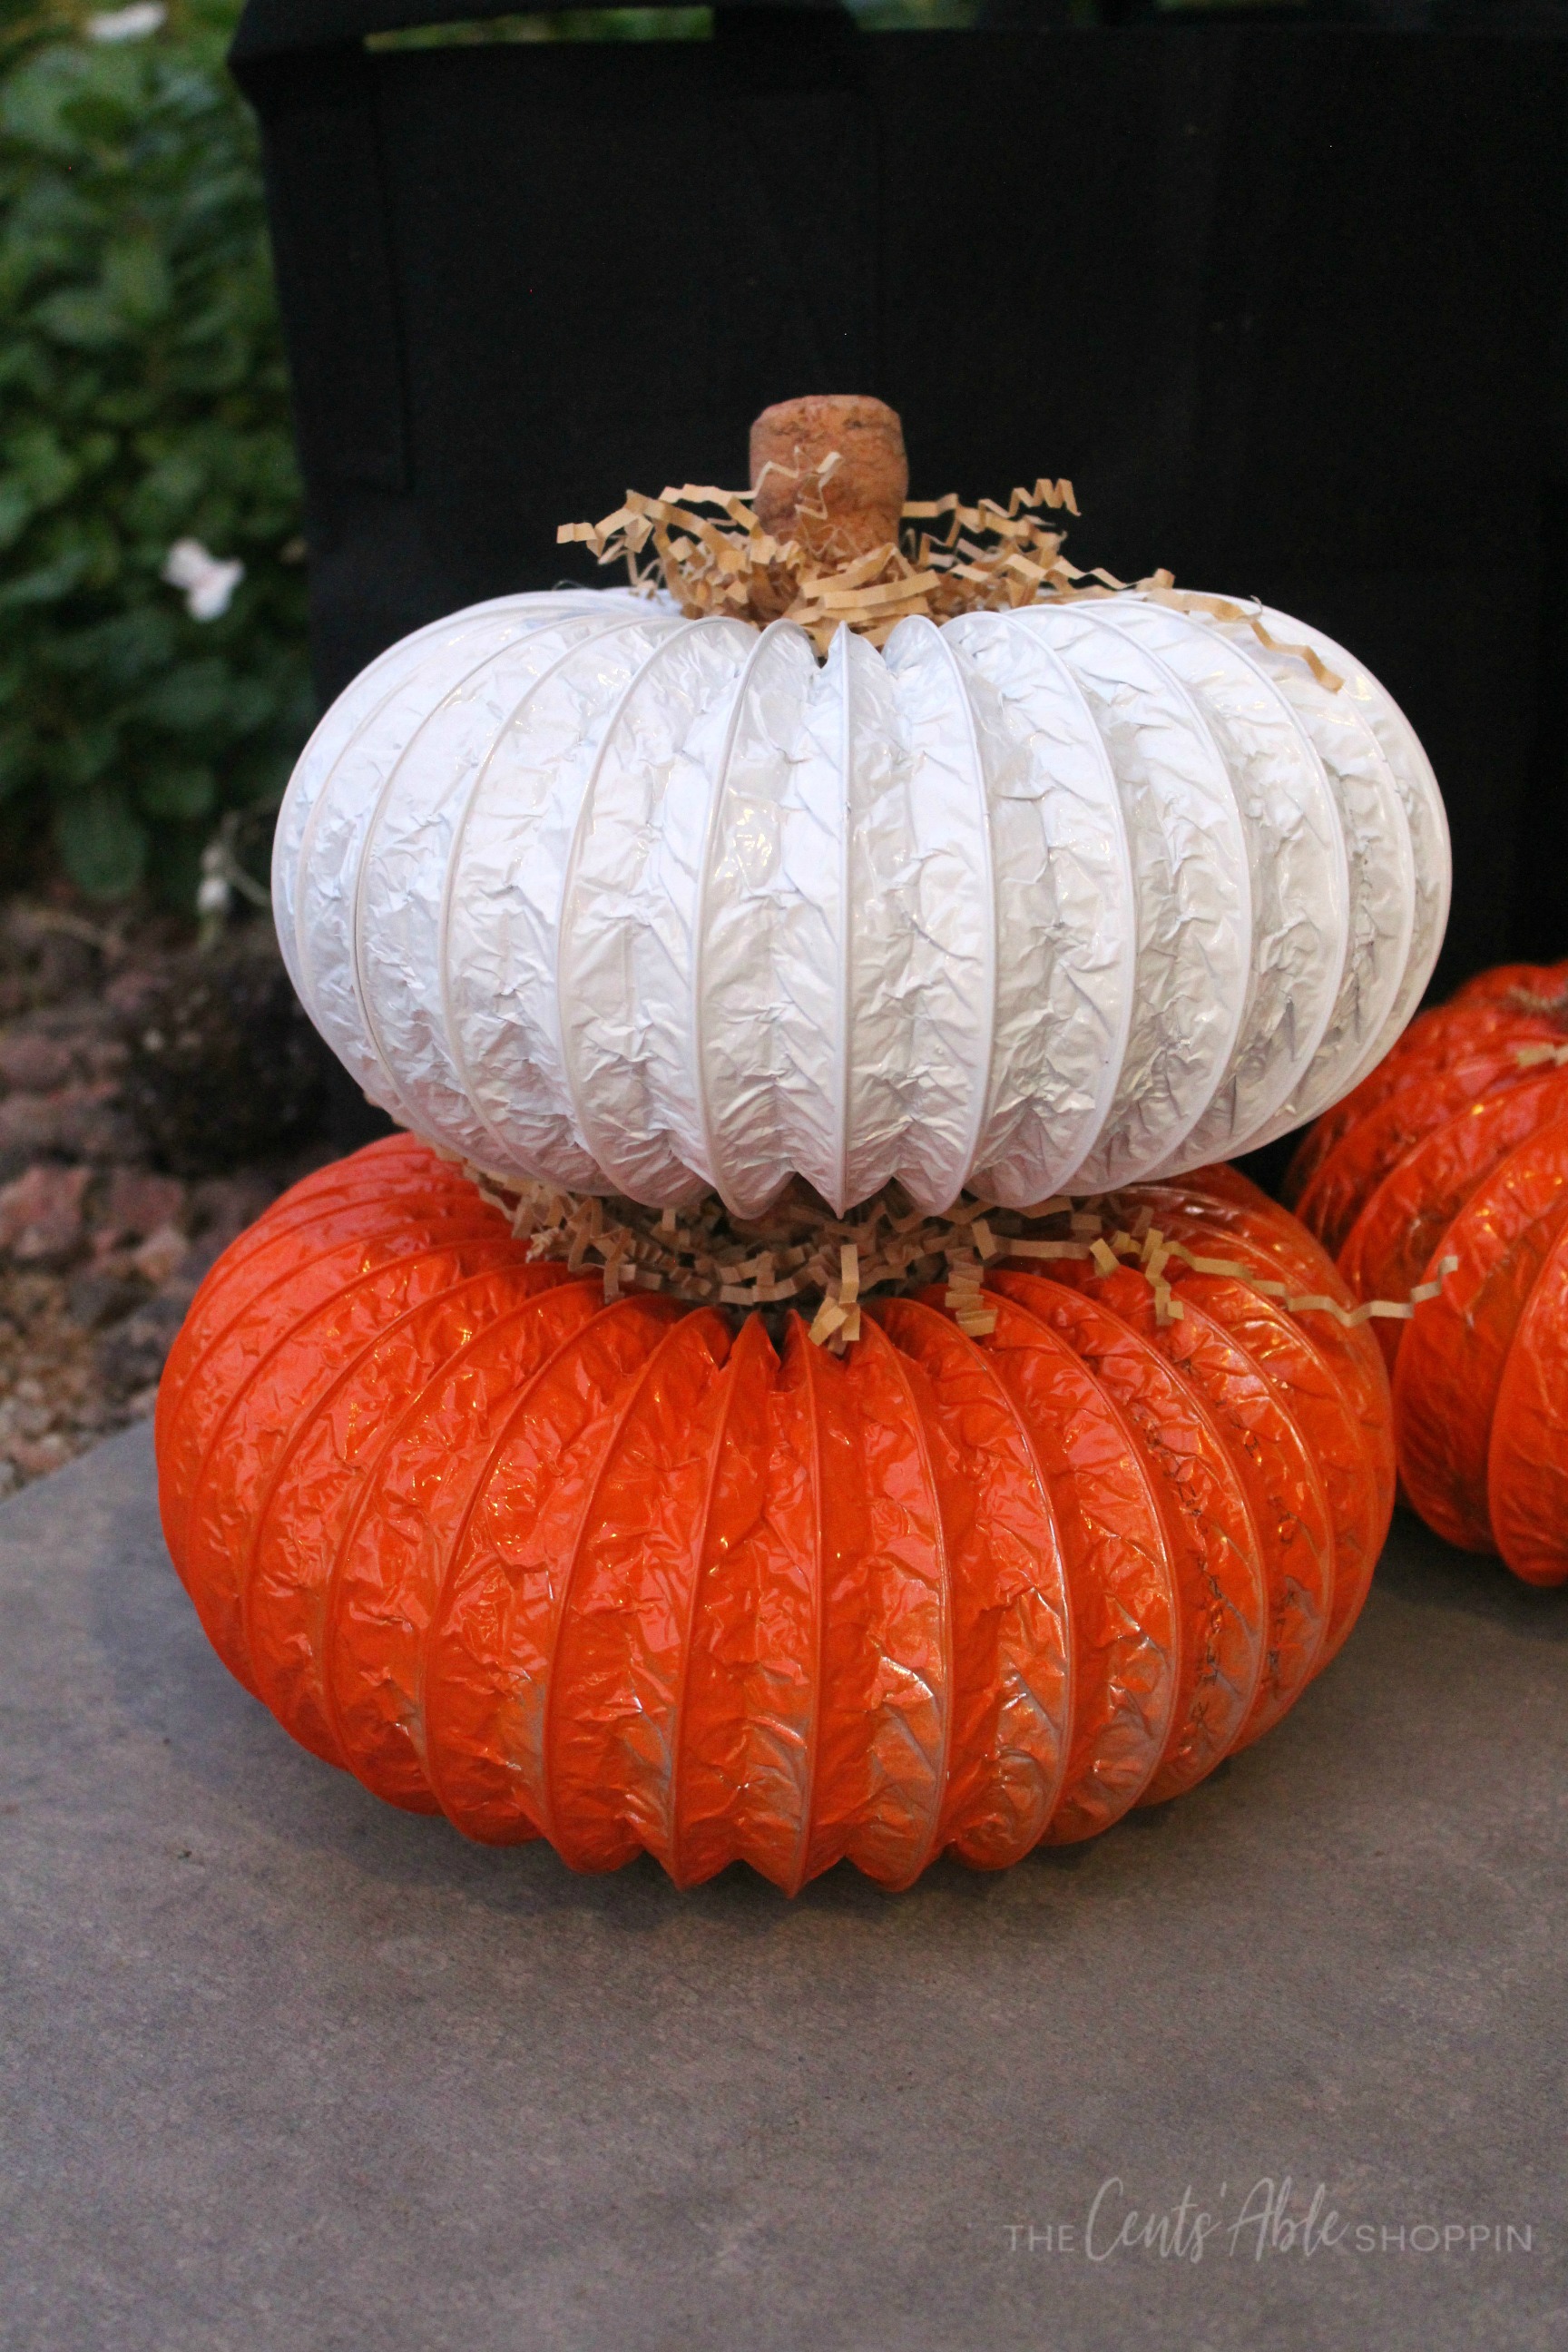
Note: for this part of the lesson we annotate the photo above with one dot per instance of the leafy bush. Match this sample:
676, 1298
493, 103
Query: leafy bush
143, 402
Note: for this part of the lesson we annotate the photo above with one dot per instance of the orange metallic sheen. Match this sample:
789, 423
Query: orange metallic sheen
635, 1577
1457, 1149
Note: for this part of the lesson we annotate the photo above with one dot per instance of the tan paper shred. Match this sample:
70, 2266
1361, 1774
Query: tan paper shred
740, 572
800, 1254
734, 568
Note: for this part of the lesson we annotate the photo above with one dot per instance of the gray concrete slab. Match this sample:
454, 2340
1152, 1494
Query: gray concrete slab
282, 2068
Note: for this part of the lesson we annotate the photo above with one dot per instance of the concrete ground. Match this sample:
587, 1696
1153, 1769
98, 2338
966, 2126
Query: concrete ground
284, 2071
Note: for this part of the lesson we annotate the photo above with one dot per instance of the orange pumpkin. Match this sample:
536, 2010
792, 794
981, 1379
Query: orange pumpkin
1457, 1148
632, 1577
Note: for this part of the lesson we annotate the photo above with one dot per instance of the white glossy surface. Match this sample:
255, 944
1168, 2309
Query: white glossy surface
1038, 901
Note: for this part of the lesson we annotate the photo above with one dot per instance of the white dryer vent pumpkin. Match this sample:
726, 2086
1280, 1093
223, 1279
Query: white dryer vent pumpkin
1048, 898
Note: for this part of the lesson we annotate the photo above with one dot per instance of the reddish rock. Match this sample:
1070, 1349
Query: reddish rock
136, 1203
225, 1205
130, 993
29, 1126
77, 1122
30, 1063
105, 1056
102, 1295
131, 1356
41, 1215
90, 1123
160, 1255
35, 1457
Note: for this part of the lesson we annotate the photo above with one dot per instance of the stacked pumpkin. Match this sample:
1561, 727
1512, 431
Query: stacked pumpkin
630, 1577
1449, 1165
631, 899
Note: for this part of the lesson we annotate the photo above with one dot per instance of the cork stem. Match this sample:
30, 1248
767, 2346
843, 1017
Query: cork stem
829, 471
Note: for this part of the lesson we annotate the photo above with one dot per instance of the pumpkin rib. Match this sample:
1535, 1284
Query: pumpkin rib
1527, 1457
1316, 1380
1434, 1042
1508, 980
1268, 1240
739, 934
473, 792
291, 1365
289, 1259
1212, 1541
275, 1249
923, 1842
1348, 1178
1308, 1387
886, 1647
754, 1676
451, 758
483, 1707
340, 772
359, 1670
1011, 1624
1177, 790
1050, 1117
408, 816
920, 1184
798, 1347
1380, 867
353, 1257
1451, 1361
303, 1508
752, 1358
1295, 875
594, 1783
710, 1127
1290, 1508
630, 880
837, 669
1399, 1229
304, 1487
284, 1241
1125, 1626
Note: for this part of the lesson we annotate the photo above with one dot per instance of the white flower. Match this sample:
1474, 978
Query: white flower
208, 583
215, 895
131, 23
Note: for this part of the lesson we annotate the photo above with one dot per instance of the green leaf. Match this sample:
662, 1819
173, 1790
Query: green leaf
42, 467
102, 845
192, 696
144, 396
126, 650
183, 793
49, 581
88, 321
16, 510
136, 281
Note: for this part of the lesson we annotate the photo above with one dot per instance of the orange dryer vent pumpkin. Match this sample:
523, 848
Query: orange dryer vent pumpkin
1457, 1149
635, 1577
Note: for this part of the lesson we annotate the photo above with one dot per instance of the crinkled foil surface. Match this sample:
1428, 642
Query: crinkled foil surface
627, 1574
1053, 900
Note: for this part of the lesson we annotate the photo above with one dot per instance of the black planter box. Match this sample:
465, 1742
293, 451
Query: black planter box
1284, 302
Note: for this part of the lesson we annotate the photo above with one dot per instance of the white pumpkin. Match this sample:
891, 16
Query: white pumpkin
1036, 902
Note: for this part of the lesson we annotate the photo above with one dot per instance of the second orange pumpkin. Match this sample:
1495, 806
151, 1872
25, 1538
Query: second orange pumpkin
1457, 1149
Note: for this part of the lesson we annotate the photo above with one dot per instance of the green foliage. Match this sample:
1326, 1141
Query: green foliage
142, 401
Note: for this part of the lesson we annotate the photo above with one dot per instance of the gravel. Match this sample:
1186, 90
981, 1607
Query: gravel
111, 1209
